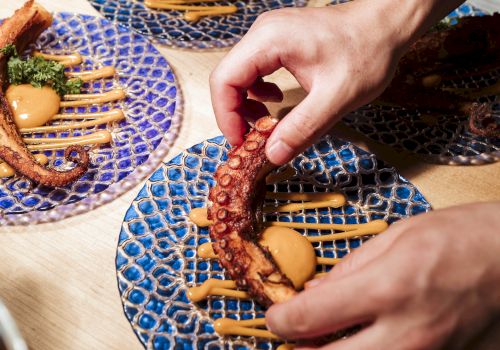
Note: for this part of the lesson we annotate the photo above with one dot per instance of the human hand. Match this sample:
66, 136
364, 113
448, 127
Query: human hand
428, 282
343, 56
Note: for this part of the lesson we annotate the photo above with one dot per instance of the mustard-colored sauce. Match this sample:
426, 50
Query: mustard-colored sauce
292, 252
6, 170
72, 116
432, 81
193, 13
293, 207
194, 16
78, 100
200, 217
315, 200
214, 286
65, 60
228, 326
87, 75
99, 137
328, 261
351, 230
338, 198
32, 106
112, 116
286, 346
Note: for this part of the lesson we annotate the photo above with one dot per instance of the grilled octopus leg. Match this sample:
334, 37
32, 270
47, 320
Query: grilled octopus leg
236, 211
21, 29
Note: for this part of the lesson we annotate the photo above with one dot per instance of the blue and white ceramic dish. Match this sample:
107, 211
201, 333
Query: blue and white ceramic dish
152, 110
446, 139
156, 258
169, 27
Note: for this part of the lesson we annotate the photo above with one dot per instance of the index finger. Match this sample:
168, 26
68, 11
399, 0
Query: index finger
250, 59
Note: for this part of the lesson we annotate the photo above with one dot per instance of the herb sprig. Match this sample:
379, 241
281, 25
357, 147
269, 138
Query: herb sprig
38, 72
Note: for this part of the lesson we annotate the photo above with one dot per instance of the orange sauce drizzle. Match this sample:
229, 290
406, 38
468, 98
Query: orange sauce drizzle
193, 13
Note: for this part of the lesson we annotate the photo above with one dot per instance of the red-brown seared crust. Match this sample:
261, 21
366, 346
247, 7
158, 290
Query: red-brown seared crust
236, 212
21, 29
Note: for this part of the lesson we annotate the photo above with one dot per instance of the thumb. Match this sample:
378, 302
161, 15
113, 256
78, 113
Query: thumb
304, 125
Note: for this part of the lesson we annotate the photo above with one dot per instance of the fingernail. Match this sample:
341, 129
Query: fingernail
313, 283
268, 326
279, 152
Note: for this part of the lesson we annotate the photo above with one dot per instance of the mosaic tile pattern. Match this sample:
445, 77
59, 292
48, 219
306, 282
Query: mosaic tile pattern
156, 258
152, 109
169, 27
443, 139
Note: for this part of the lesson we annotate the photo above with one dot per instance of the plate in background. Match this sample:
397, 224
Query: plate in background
169, 28
442, 139
152, 119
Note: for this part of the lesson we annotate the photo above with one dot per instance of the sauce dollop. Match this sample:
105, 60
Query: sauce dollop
32, 106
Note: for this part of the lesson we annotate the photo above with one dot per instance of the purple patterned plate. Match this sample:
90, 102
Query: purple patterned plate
152, 109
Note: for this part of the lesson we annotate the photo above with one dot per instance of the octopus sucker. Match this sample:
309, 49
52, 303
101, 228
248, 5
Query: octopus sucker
21, 29
236, 212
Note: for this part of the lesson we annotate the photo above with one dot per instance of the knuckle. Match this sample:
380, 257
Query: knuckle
273, 17
393, 292
214, 76
297, 320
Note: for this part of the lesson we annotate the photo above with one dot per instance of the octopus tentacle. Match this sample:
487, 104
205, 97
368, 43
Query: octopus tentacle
236, 211
482, 122
14, 152
21, 29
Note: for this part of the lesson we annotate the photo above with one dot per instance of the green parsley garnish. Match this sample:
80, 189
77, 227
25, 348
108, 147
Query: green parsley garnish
440, 26
38, 72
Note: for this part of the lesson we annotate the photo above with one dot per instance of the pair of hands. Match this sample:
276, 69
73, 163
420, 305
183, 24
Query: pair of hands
429, 282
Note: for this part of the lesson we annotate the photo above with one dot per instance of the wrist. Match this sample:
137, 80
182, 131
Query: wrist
407, 20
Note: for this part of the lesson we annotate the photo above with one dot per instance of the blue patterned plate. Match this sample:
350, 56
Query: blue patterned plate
445, 139
152, 110
156, 258
169, 28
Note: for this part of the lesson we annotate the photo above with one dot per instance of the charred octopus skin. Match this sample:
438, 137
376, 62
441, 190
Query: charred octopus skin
236, 211
22, 29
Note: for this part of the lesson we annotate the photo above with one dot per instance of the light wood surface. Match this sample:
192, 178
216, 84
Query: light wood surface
59, 279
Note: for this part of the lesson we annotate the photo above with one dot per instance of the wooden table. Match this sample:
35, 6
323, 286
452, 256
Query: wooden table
59, 279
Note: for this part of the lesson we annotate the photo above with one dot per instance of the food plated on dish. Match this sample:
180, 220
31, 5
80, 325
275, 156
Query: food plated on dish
35, 87
92, 101
198, 29
442, 103
211, 240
